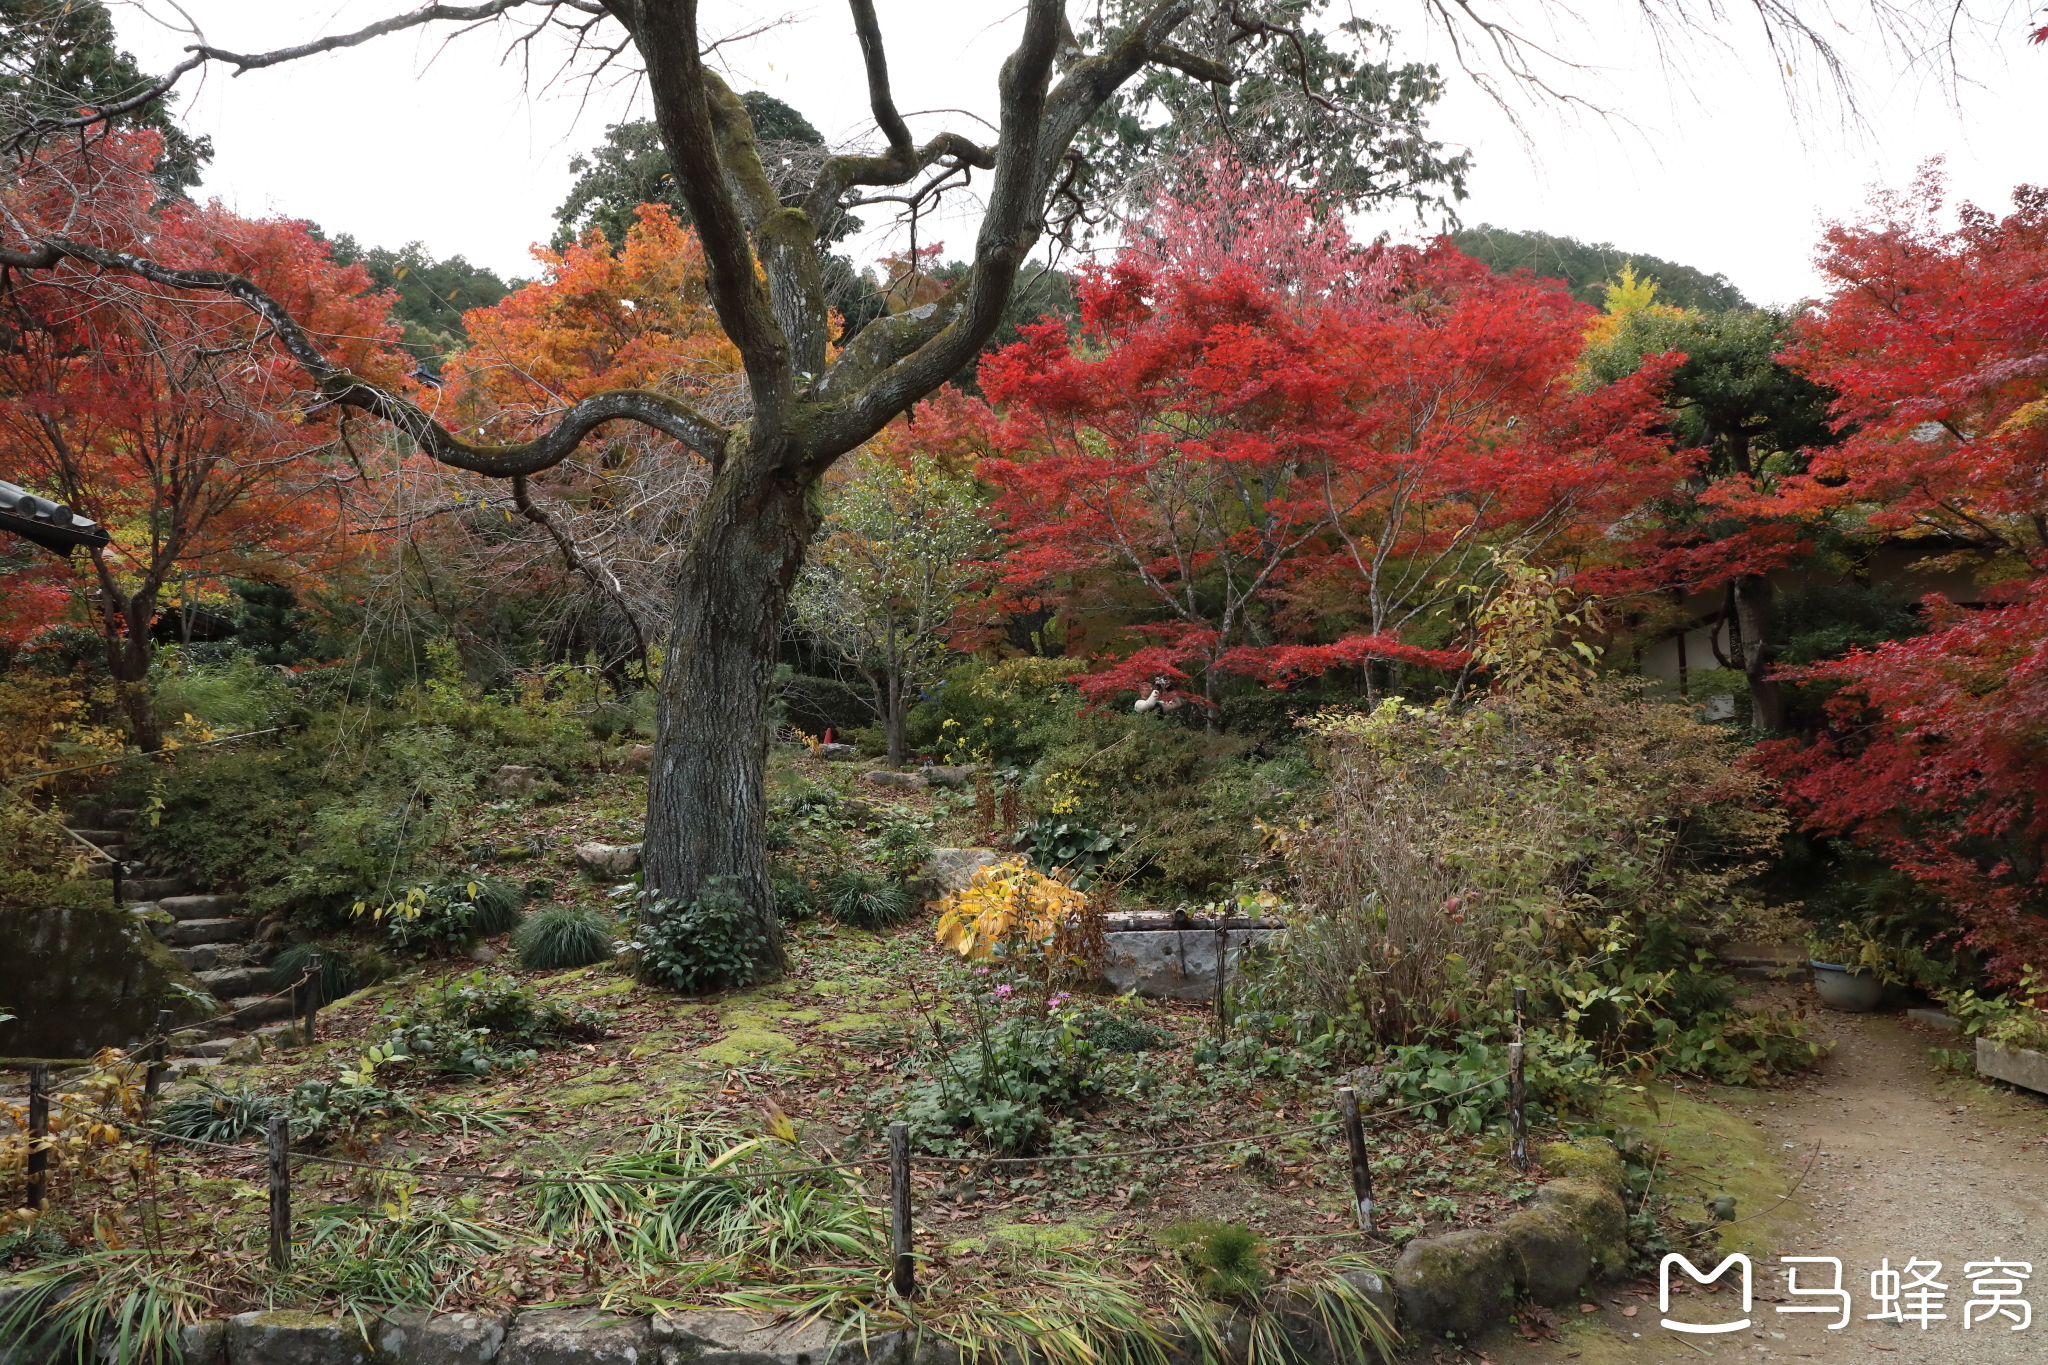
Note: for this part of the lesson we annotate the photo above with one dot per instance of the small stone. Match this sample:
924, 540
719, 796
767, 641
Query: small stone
285, 1337
951, 778
607, 860
837, 753
483, 952
244, 1051
638, 759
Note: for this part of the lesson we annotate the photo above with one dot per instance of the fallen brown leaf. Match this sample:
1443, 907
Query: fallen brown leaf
1629, 1311
1589, 1308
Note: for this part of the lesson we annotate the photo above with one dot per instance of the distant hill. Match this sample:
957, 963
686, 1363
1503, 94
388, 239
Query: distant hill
1585, 268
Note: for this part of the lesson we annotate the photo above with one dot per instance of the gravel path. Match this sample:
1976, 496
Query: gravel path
1914, 1163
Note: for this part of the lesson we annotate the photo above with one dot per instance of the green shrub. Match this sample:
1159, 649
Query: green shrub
713, 941
1111, 1032
903, 847
862, 899
439, 915
1008, 1086
233, 697
563, 936
1057, 844
512, 1012
795, 901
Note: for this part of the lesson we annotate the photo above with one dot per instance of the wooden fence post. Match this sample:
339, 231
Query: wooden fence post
280, 1192
1518, 1132
1222, 959
38, 1171
1361, 1170
905, 1266
312, 996
153, 1079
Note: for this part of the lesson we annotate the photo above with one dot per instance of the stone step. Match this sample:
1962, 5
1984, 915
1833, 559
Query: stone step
199, 907
227, 982
187, 932
200, 957
257, 1009
140, 888
212, 1047
182, 1068
102, 837
120, 819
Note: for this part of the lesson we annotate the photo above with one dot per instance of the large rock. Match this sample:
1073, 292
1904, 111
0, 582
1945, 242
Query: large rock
953, 779
99, 976
949, 870
204, 1342
287, 1337
577, 1336
1595, 1212
882, 777
608, 860
1550, 1257
836, 753
1461, 1282
638, 759
2013, 1065
417, 1338
1174, 964
513, 781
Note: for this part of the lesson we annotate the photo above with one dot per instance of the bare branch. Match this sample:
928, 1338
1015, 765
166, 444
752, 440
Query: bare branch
607, 586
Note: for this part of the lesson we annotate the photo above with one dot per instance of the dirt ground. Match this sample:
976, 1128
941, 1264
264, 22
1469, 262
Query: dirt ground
1914, 1162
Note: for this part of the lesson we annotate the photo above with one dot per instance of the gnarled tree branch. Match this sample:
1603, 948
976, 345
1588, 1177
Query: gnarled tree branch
668, 415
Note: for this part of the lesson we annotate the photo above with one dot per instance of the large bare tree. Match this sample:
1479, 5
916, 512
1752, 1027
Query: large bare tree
765, 265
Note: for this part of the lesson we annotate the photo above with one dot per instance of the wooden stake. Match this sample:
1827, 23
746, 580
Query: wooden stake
1518, 1132
38, 1135
1222, 959
905, 1279
1361, 1170
153, 1079
312, 1002
280, 1192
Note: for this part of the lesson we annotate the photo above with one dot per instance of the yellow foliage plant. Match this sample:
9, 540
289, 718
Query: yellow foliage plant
85, 1140
1009, 910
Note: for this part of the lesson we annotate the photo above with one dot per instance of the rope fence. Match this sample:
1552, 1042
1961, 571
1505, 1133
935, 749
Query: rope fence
280, 1159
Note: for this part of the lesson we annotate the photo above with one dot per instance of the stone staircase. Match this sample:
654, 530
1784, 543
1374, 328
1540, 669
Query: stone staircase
208, 936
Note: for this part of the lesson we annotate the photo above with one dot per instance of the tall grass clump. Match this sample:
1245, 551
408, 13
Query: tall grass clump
562, 936
861, 899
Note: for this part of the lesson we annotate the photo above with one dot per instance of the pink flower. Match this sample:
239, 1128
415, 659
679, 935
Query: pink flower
1005, 992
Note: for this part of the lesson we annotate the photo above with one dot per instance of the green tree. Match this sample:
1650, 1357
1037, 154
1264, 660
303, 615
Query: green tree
1753, 419
891, 569
432, 295
1587, 269
57, 56
1324, 107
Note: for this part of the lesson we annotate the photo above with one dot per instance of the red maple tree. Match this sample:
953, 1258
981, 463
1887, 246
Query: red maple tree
1936, 337
167, 418
1282, 468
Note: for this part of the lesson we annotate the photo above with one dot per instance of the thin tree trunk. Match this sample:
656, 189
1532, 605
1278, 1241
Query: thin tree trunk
893, 724
706, 808
1759, 652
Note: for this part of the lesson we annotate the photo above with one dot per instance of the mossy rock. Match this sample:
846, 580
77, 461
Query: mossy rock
1030, 1237
1593, 1160
100, 977
1551, 1258
1595, 1212
1460, 1283
1721, 1153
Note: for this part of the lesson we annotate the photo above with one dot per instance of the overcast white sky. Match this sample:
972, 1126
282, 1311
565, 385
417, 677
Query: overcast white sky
466, 147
